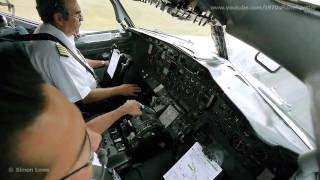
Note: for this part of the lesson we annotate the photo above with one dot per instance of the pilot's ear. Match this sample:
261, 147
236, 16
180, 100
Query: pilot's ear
58, 19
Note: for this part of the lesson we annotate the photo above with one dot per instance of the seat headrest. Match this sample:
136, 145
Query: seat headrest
7, 30
3, 21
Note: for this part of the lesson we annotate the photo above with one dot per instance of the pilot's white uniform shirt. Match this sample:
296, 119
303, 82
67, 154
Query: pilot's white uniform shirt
65, 73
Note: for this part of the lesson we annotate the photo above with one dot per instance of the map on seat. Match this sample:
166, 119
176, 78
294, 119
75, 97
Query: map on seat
194, 165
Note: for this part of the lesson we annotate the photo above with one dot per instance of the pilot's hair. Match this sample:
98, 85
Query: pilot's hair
47, 8
21, 101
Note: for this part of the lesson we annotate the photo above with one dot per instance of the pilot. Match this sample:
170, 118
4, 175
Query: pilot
71, 73
43, 135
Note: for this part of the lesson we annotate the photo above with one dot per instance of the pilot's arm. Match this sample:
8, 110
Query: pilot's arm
97, 63
99, 94
103, 122
78, 88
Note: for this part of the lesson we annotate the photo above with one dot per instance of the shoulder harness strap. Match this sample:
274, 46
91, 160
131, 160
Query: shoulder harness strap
61, 47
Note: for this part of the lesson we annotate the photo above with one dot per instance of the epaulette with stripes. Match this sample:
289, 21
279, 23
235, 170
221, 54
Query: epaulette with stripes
62, 50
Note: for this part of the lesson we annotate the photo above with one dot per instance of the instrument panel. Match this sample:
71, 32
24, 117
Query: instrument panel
184, 79
187, 105
204, 109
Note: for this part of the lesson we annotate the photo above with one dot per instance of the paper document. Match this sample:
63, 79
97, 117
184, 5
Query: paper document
113, 62
194, 165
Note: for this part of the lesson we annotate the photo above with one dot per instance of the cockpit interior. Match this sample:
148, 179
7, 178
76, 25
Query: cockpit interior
190, 102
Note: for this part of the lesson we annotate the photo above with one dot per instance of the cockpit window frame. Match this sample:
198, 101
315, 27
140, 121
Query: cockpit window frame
306, 7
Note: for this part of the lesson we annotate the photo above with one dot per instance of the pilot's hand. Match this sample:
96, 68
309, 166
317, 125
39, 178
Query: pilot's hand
129, 89
105, 63
132, 107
